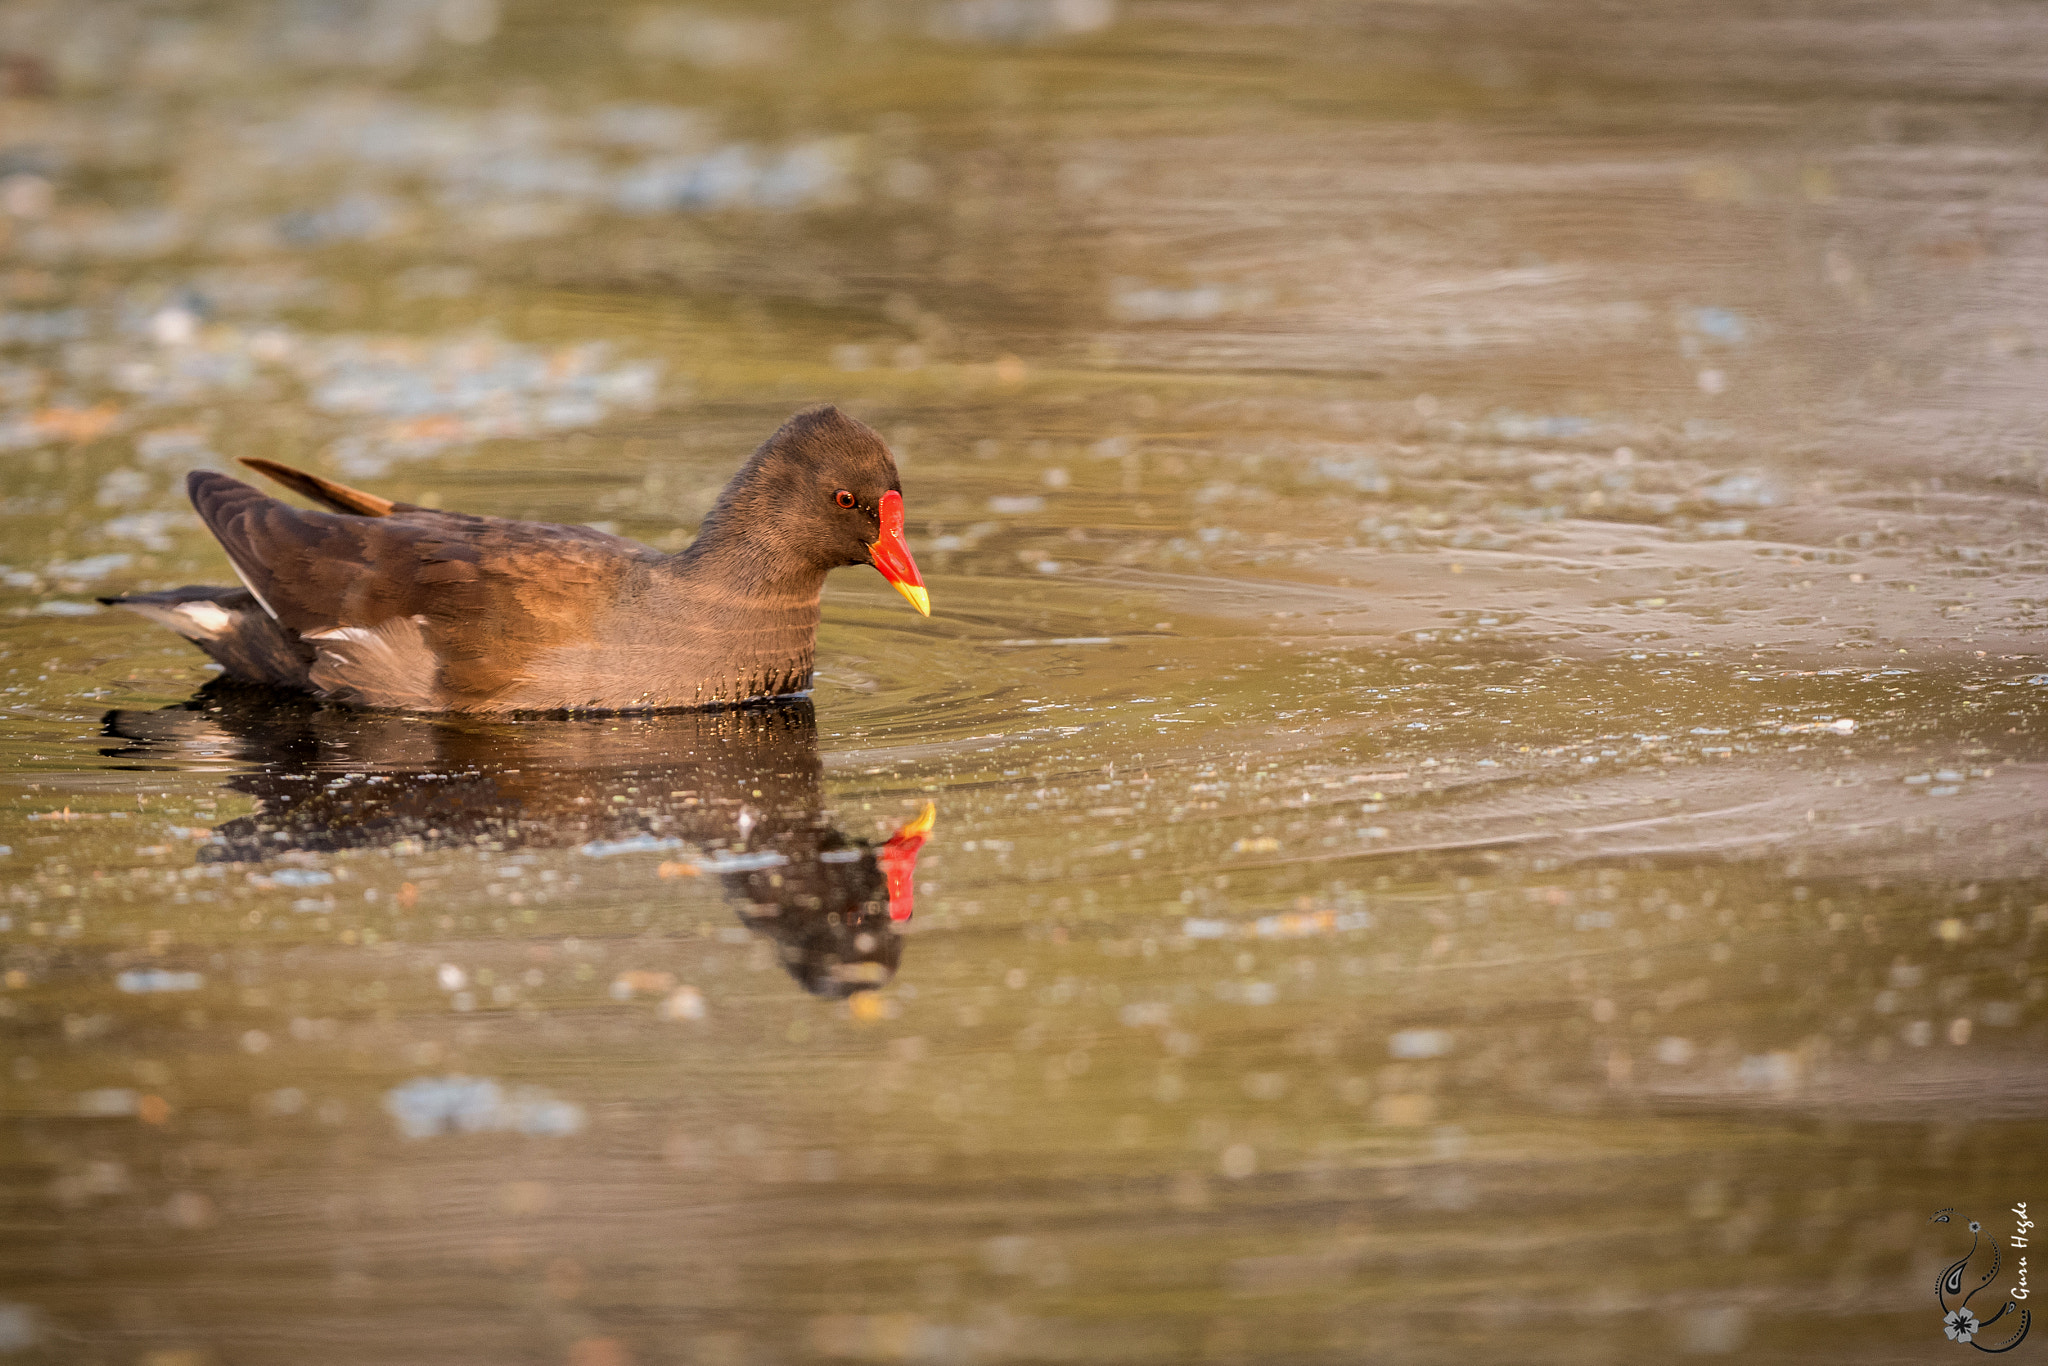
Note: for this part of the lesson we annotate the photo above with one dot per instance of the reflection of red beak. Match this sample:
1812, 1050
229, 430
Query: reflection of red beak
891, 555
899, 860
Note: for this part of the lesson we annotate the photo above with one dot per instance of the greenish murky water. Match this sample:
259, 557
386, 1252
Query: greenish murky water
1483, 719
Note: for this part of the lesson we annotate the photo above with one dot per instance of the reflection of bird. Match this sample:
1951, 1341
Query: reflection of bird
386, 604
740, 787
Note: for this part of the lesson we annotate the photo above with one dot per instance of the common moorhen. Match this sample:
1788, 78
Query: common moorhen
385, 604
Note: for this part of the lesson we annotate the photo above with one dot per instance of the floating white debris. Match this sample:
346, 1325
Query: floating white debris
1361, 473
152, 530
140, 981
174, 446
1135, 301
1062, 640
718, 861
287, 1100
1769, 1072
636, 844
1719, 1330
92, 567
1674, 1051
429, 1106
641, 981
1743, 490
1287, 925
43, 327
1838, 726
123, 487
1019, 21
1419, 1043
737, 177
107, 1102
1719, 325
399, 397
1302, 924
684, 1003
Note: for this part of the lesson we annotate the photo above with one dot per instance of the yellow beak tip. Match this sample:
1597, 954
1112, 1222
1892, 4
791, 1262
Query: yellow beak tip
918, 598
926, 819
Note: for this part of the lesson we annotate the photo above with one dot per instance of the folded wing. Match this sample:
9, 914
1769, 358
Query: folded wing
410, 607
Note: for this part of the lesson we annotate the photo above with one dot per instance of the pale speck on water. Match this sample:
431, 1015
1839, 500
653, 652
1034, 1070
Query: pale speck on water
1481, 721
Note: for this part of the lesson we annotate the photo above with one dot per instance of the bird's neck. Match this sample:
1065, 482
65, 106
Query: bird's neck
733, 623
720, 567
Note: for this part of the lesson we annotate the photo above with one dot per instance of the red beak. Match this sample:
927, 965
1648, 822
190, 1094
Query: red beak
899, 860
891, 555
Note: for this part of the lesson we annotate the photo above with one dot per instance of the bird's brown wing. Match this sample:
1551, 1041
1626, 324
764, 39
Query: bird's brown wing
417, 609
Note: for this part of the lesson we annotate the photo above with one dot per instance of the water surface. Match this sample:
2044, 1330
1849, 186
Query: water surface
1483, 723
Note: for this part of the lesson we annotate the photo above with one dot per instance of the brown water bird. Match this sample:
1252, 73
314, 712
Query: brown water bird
385, 604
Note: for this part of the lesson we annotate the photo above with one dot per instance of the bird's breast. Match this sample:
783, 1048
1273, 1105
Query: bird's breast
717, 654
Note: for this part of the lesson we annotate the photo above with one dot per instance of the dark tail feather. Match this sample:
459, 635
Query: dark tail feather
231, 626
339, 497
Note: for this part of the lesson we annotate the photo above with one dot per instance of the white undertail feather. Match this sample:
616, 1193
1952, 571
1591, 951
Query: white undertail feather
209, 619
386, 665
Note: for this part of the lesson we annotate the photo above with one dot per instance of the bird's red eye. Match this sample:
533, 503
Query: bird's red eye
845, 499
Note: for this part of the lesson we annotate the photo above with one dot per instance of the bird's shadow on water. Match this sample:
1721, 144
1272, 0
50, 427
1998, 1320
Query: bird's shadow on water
736, 793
